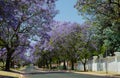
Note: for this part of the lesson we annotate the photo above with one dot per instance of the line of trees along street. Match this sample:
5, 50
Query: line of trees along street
24, 21
21, 20
98, 35
69, 42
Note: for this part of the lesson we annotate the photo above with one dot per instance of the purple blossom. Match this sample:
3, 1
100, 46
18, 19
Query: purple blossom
21, 20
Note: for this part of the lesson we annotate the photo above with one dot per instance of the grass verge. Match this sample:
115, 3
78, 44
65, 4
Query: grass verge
15, 75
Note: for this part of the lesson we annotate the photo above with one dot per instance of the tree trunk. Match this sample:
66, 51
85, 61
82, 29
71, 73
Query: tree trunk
8, 60
50, 62
12, 64
64, 65
84, 64
47, 64
72, 65
58, 64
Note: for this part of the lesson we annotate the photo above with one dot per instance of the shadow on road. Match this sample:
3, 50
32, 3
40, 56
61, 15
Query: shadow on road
40, 72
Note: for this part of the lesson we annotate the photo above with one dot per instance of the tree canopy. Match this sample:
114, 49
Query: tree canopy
105, 17
21, 20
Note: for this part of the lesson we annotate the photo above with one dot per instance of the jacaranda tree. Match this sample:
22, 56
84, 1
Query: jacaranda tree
21, 20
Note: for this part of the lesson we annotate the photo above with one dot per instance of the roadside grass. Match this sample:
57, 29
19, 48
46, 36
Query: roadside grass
10, 74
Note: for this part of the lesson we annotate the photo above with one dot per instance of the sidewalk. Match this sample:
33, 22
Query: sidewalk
113, 75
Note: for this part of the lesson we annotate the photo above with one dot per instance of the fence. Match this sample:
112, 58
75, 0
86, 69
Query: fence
108, 64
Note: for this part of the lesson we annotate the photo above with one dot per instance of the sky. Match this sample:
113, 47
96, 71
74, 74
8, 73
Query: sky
67, 12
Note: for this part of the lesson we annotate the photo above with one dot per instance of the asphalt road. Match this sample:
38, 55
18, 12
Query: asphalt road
31, 72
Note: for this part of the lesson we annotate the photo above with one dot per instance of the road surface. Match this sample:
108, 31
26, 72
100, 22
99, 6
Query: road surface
32, 72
